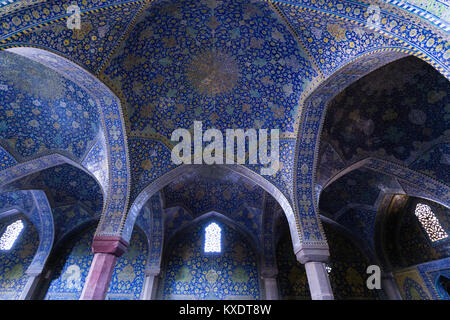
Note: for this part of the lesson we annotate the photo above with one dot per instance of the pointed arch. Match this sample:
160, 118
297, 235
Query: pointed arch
117, 195
170, 176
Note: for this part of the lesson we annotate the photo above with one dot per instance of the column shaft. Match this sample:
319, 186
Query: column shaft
271, 288
390, 286
106, 251
99, 277
318, 281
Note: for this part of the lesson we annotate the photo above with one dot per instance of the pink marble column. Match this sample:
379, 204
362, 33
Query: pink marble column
106, 250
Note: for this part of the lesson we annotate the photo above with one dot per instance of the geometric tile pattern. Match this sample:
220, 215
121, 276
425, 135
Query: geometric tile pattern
149, 160
6, 160
42, 218
231, 195
34, 205
91, 45
331, 41
65, 184
411, 284
212, 75
426, 40
430, 273
96, 162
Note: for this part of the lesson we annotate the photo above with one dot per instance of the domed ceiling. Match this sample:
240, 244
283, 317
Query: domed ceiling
384, 113
230, 64
44, 112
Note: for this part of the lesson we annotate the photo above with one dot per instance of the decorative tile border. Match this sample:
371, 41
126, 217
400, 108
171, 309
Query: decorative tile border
42, 218
26, 168
430, 272
419, 184
427, 41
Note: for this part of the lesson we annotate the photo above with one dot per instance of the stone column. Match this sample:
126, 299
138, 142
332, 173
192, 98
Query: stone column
150, 284
314, 260
390, 286
106, 250
269, 277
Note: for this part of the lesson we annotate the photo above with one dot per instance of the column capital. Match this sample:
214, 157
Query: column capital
109, 244
312, 253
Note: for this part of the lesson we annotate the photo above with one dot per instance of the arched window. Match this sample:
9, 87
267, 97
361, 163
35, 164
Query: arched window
430, 222
10, 235
213, 238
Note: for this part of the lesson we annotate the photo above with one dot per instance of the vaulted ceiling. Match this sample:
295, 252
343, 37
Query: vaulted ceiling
399, 113
214, 189
228, 63
396, 112
43, 111
231, 64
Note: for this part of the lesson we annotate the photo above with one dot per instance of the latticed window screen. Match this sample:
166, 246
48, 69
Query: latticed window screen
213, 238
430, 222
10, 235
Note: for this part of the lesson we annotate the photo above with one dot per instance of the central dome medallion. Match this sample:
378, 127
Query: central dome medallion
213, 72
226, 63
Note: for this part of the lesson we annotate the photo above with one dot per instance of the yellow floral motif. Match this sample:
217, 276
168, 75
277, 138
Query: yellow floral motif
146, 164
337, 32
127, 274
15, 273
211, 276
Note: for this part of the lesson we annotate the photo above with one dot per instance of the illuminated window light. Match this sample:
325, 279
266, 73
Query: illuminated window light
430, 222
10, 235
213, 237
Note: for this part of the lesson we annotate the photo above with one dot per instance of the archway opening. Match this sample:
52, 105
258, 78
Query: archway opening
191, 272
